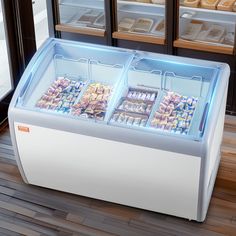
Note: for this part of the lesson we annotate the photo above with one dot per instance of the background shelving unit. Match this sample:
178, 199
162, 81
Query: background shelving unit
83, 20
170, 42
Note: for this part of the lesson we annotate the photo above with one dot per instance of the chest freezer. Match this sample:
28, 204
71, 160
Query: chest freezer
130, 127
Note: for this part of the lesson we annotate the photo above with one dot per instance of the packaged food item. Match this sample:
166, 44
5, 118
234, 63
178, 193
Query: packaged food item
128, 118
61, 95
135, 107
226, 5
142, 25
93, 103
162, 2
192, 30
175, 113
215, 33
100, 21
159, 27
209, 4
191, 3
126, 24
202, 34
229, 38
89, 17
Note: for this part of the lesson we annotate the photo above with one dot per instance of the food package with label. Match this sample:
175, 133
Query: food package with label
192, 30
134, 108
61, 95
226, 5
93, 104
209, 4
191, 3
175, 113
142, 25
162, 2
215, 34
126, 24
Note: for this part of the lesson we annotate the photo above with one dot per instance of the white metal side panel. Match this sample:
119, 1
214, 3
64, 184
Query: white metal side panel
142, 177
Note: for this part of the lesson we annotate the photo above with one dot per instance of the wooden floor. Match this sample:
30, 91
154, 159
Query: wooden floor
34, 211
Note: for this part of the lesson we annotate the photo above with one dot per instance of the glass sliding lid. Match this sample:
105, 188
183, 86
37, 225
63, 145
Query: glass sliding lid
73, 80
163, 96
144, 18
82, 16
207, 25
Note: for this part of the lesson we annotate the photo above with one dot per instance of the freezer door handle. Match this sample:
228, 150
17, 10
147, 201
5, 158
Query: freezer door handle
203, 120
22, 92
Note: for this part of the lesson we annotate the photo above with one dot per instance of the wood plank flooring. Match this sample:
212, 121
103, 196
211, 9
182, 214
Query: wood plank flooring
34, 211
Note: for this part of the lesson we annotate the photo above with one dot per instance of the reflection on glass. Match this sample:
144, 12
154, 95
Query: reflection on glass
141, 16
5, 78
40, 21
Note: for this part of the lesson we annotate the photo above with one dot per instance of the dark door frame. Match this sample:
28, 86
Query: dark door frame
21, 45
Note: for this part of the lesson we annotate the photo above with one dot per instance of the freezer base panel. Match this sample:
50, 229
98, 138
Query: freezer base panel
123, 173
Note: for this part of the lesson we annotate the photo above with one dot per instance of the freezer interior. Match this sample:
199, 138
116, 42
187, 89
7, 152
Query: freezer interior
74, 80
141, 18
165, 96
204, 25
82, 13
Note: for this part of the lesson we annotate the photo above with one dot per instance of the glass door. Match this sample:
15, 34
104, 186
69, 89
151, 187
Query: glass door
82, 16
141, 20
6, 84
207, 25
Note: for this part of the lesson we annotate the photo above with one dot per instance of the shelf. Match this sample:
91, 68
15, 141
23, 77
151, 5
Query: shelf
207, 47
231, 13
139, 38
141, 4
81, 30
84, 4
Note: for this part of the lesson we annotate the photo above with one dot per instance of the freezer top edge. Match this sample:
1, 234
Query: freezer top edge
155, 140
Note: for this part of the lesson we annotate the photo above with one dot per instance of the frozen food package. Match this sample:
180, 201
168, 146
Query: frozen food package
138, 101
202, 34
128, 118
175, 113
100, 21
89, 17
192, 30
93, 103
191, 3
229, 38
162, 2
226, 5
126, 24
209, 4
159, 27
61, 95
142, 25
215, 33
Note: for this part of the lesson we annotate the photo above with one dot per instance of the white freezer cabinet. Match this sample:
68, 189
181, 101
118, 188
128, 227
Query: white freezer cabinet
130, 127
